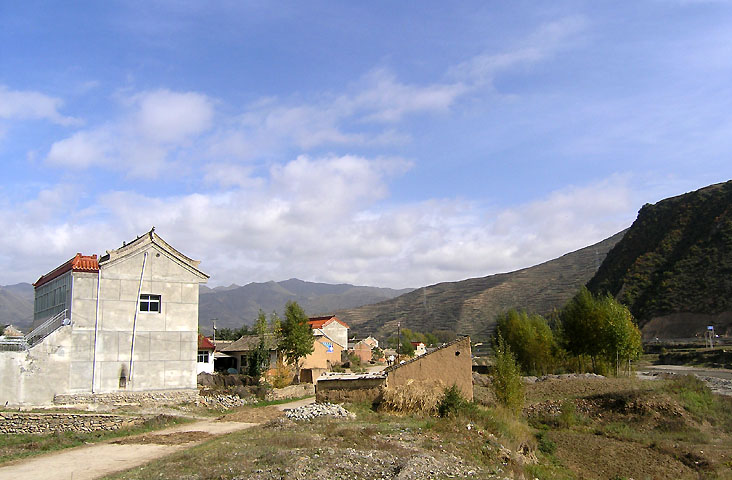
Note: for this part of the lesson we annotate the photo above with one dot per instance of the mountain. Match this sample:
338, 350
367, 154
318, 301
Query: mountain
470, 306
16, 305
673, 269
233, 306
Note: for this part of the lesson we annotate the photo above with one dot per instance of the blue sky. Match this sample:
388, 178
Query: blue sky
380, 143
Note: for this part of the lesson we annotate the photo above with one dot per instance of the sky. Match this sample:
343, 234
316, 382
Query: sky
393, 144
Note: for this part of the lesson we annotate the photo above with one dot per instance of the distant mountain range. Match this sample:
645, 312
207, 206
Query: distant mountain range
16, 305
234, 306
673, 268
470, 306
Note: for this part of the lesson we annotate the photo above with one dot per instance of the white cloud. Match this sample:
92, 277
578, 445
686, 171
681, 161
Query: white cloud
540, 45
144, 140
171, 117
30, 105
320, 219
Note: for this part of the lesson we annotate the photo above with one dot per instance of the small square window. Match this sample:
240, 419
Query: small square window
149, 303
203, 356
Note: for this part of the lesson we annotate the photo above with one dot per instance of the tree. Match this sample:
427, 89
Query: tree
259, 359
582, 326
622, 336
297, 337
601, 328
530, 338
507, 385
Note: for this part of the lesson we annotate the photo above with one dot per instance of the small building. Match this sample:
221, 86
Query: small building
124, 322
326, 354
205, 359
331, 326
362, 350
419, 348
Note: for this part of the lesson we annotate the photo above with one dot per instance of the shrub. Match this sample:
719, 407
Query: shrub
507, 385
282, 376
452, 402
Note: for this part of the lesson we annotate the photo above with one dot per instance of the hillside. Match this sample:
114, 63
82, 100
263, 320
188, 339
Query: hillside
235, 305
674, 266
470, 306
16, 305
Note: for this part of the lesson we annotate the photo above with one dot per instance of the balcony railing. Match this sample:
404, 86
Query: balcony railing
36, 336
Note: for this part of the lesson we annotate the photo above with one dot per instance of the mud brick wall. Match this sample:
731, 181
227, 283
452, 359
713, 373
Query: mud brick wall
450, 364
24, 423
349, 391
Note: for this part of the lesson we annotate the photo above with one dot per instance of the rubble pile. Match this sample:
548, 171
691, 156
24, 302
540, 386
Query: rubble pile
308, 412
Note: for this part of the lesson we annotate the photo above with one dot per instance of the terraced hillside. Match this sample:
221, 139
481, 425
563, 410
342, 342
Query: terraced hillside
470, 306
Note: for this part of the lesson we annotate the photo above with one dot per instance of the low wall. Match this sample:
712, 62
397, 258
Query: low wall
291, 391
25, 423
349, 390
160, 397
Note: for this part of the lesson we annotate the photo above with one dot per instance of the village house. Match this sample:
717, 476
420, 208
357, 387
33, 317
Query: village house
124, 322
205, 358
327, 351
332, 327
419, 348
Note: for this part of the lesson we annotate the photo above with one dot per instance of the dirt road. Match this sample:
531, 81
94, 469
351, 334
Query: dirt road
94, 461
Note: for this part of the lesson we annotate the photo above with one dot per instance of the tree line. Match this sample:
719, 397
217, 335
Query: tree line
591, 332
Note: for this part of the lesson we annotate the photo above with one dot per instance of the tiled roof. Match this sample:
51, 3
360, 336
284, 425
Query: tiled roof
248, 343
320, 322
204, 343
80, 263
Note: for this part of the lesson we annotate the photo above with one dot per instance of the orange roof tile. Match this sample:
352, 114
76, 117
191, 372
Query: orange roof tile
320, 322
80, 263
204, 343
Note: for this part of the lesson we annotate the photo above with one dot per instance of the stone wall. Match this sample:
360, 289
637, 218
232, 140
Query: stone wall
24, 423
349, 390
450, 364
163, 397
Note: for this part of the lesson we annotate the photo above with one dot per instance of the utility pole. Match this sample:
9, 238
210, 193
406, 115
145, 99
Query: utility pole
399, 340
213, 320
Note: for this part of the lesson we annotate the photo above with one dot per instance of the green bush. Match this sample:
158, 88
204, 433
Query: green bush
507, 384
452, 402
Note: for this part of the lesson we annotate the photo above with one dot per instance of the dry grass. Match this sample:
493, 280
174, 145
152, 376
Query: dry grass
420, 397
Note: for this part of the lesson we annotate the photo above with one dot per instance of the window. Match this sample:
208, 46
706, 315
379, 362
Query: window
203, 356
149, 303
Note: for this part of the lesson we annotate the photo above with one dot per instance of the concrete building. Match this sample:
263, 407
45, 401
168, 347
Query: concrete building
126, 322
332, 327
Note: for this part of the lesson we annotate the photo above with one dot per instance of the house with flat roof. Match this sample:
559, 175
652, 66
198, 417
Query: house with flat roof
124, 322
